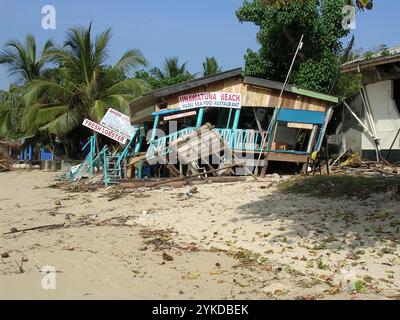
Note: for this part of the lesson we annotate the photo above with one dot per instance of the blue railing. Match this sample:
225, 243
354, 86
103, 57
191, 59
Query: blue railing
238, 140
159, 146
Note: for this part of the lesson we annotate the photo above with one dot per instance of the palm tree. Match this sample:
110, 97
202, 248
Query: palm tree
210, 66
171, 69
22, 59
83, 85
11, 105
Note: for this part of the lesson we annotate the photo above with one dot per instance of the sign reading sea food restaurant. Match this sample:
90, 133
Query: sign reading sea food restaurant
118, 122
104, 131
210, 99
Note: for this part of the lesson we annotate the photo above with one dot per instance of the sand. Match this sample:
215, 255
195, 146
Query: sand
290, 246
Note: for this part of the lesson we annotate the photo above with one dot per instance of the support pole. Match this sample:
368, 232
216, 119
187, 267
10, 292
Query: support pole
273, 123
367, 130
200, 118
154, 131
236, 119
229, 118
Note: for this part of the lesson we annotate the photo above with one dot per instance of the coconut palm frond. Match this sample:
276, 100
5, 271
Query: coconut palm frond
134, 87
5, 123
48, 89
64, 124
210, 66
120, 102
131, 60
21, 59
98, 110
101, 47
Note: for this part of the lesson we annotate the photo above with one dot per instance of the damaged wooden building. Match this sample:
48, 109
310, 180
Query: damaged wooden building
247, 113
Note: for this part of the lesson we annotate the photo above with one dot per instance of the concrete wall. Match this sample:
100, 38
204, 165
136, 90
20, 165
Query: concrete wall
352, 130
385, 114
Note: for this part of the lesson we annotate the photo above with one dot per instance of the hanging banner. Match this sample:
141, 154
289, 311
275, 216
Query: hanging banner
104, 131
118, 122
211, 100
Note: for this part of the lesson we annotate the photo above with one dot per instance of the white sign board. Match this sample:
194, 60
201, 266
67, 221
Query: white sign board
118, 122
104, 131
210, 99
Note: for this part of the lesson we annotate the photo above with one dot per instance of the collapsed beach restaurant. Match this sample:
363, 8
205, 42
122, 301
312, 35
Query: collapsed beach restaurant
251, 117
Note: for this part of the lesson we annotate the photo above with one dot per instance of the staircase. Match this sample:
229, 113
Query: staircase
112, 169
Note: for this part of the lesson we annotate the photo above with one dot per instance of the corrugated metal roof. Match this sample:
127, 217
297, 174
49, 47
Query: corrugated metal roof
391, 52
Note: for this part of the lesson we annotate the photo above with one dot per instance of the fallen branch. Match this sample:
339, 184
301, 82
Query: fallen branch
50, 226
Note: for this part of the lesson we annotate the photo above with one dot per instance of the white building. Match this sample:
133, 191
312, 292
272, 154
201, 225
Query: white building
377, 106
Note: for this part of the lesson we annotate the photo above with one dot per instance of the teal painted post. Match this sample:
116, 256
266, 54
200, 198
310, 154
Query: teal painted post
138, 145
236, 120
92, 152
105, 167
200, 117
235, 126
140, 170
153, 133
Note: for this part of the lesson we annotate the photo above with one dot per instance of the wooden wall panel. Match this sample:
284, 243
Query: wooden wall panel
253, 96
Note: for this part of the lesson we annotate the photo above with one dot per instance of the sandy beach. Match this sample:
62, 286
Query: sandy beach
243, 240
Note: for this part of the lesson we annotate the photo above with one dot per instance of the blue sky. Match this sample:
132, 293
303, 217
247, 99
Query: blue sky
161, 28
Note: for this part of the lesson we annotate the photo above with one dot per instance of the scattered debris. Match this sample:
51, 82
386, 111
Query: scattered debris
5, 165
51, 226
193, 190
167, 257
20, 266
5, 255
352, 164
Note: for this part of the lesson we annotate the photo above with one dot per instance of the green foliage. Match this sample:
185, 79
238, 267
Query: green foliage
22, 59
360, 4
210, 66
82, 86
11, 107
280, 30
171, 73
339, 186
155, 82
349, 84
369, 55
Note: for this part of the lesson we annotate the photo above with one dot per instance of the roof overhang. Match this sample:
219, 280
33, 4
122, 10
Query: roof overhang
269, 84
359, 66
154, 97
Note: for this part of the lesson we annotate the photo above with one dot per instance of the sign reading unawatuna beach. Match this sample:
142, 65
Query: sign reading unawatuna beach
211, 100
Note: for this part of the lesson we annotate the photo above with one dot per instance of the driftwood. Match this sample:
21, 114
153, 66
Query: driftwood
192, 176
50, 226
178, 184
